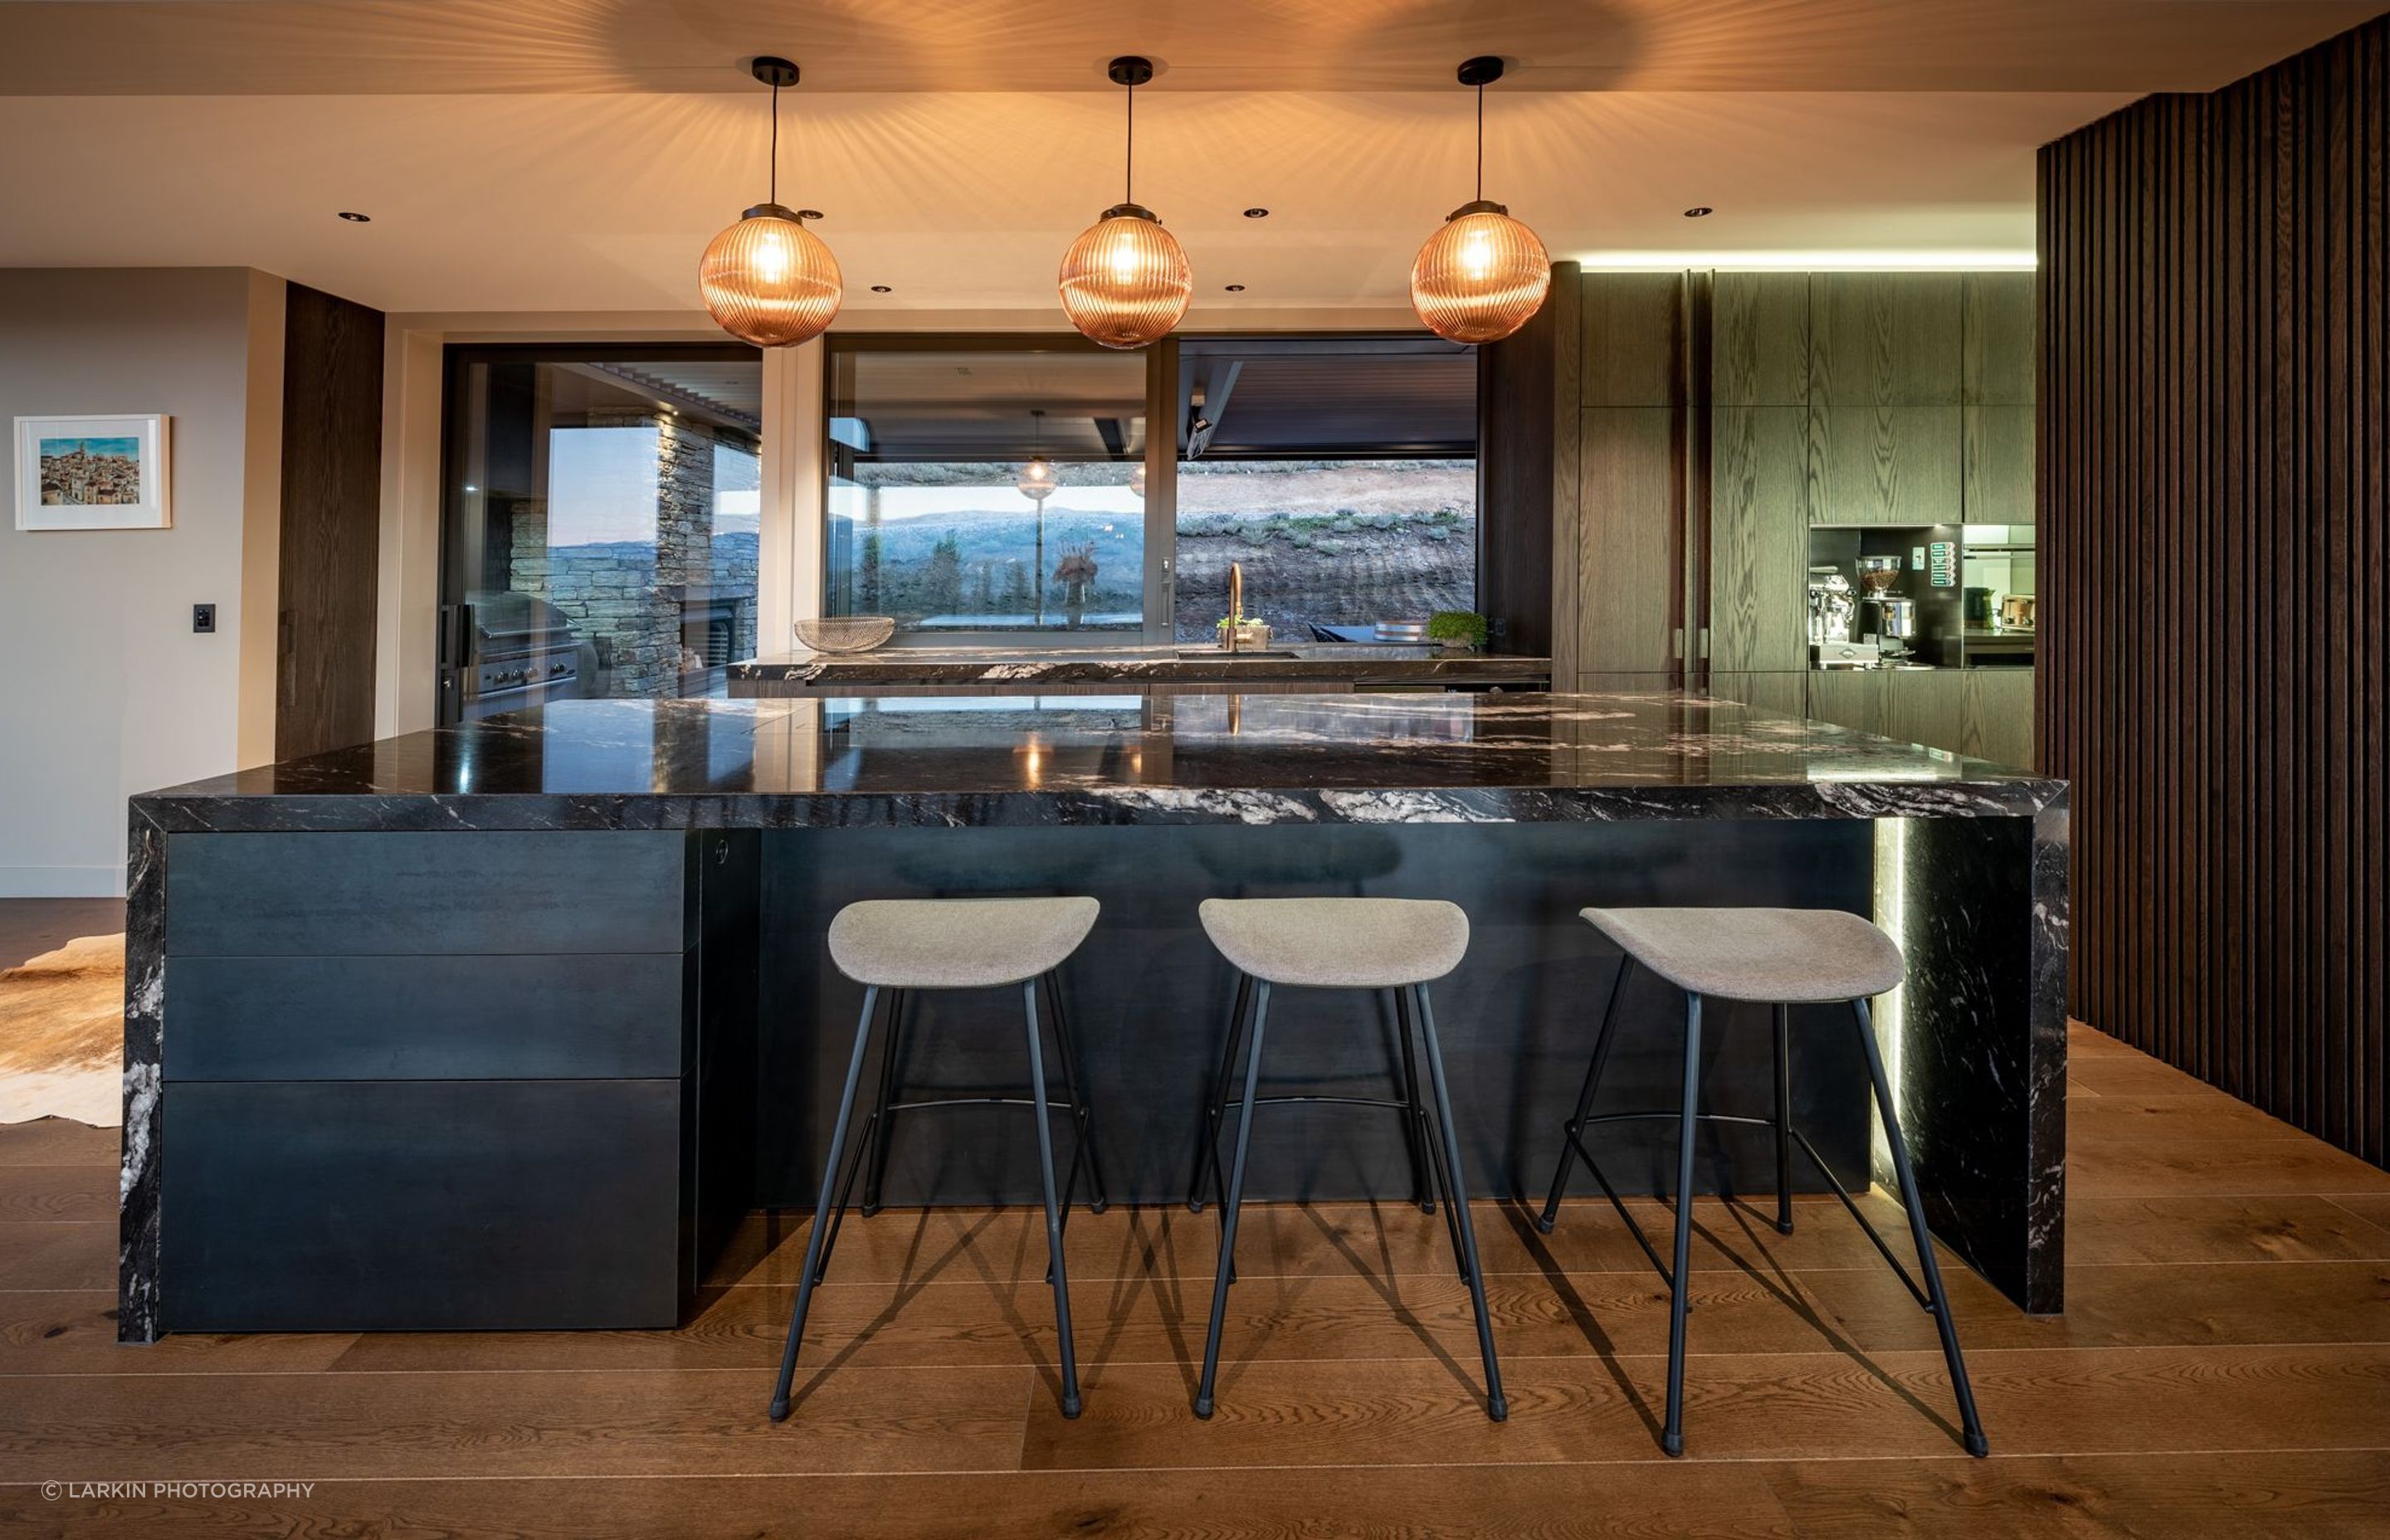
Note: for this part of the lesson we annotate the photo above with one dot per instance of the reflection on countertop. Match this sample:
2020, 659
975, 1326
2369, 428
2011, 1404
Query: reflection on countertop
1356, 662
1098, 759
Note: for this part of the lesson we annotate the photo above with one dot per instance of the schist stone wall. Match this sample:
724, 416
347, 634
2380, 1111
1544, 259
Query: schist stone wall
646, 605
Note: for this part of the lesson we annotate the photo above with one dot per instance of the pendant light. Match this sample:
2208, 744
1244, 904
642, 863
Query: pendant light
1125, 283
1038, 481
1484, 274
767, 279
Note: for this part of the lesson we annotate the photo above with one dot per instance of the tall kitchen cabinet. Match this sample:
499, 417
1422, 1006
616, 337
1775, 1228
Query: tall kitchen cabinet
1633, 399
1857, 399
1702, 423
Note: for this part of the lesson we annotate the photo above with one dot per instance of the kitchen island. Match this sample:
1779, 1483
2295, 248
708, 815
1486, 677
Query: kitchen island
507, 1024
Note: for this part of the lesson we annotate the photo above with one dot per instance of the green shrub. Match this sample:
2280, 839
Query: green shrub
1457, 625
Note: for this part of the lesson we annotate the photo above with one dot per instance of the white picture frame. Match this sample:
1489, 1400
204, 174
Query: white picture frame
101, 473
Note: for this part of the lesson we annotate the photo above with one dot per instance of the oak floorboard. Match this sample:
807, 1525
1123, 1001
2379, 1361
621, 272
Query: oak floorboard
2126, 1119
1858, 1310
47, 1194
2219, 1168
1449, 1503
899, 1246
2136, 1076
333, 1427
60, 1142
1738, 1407
2373, 1207
73, 1331
2287, 1495
64, 1254
2176, 1227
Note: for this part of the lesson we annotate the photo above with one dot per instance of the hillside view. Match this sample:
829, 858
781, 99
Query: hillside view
1330, 542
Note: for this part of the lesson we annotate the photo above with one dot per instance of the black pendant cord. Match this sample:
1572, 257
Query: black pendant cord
775, 178
1481, 144
1128, 159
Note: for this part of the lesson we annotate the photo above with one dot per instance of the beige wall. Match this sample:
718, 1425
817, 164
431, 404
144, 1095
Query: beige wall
105, 690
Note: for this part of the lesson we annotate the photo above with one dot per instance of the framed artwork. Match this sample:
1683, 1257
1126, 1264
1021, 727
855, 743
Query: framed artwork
93, 473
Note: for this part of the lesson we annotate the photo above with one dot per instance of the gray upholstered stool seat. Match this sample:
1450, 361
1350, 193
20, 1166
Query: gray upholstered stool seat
1796, 956
1339, 943
956, 942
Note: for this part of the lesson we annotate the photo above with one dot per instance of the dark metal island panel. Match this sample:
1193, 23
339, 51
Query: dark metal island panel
383, 1003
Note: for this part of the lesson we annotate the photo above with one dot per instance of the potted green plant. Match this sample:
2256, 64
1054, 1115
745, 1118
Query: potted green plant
1250, 634
1458, 630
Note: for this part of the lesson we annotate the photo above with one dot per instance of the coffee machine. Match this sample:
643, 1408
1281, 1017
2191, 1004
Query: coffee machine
1885, 617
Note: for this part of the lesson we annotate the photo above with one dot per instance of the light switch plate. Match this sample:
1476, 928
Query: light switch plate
203, 618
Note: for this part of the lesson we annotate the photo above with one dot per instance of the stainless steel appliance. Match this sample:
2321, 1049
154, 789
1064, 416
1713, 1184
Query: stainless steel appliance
514, 650
1831, 607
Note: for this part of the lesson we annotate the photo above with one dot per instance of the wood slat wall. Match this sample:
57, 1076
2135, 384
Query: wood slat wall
2214, 415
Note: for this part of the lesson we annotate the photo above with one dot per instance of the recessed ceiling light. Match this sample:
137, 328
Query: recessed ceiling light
355, 218
881, 289
1700, 211
809, 213
1257, 213
1236, 289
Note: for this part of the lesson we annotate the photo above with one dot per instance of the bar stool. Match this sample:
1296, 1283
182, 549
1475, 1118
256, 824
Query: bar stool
901, 945
1375, 943
1779, 957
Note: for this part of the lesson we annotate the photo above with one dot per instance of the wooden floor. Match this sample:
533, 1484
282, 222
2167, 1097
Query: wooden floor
2223, 1369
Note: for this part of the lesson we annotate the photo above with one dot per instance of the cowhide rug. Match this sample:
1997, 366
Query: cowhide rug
62, 1033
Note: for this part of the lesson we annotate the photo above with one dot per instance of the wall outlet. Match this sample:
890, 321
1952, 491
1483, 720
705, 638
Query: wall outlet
203, 618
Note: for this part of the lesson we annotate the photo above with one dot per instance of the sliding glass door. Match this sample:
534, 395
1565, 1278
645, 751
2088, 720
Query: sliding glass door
599, 524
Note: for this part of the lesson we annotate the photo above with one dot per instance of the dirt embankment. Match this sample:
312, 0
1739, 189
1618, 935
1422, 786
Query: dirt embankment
1346, 544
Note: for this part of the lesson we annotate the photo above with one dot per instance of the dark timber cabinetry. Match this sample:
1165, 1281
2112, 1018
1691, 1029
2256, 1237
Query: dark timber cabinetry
450, 1081
1720, 416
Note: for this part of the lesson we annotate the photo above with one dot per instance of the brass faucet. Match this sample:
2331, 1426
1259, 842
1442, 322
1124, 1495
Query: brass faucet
1236, 603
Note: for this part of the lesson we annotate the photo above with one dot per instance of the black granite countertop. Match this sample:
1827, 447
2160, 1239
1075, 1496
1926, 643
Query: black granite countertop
1360, 662
1098, 760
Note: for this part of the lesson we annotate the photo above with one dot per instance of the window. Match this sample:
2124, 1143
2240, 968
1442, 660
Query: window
1339, 473
600, 525
984, 487
997, 486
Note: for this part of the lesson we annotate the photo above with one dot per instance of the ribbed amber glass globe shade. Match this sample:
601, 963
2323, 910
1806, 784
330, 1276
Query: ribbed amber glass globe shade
770, 281
1125, 282
1482, 276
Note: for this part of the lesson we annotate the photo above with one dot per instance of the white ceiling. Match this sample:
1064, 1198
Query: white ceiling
577, 154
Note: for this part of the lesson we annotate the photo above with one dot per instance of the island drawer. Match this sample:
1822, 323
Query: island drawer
432, 1205
426, 1018
467, 891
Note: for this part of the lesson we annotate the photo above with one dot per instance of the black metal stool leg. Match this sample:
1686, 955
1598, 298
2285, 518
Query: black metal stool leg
1783, 1120
1497, 1405
877, 1130
1414, 1115
1053, 1207
1074, 1070
1672, 1436
1575, 1129
1971, 1425
1454, 1198
1230, 1205
822, 1206
1215, 1102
